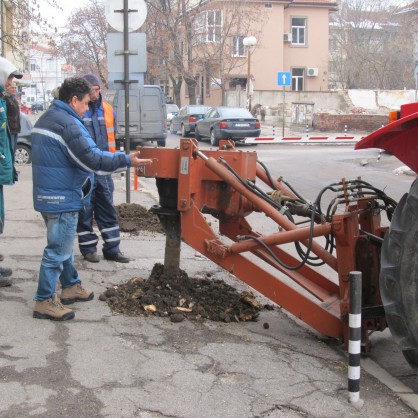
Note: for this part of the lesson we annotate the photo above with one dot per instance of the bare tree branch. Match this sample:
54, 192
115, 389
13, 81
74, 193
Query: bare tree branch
372, 46
83, 43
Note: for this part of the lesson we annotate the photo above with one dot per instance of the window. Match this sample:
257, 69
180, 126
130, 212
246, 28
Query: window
50, 64
298, 79
199, 86
163, 86
214, 25
32, 65
268, 5
199, 29
212, 114
208, 27
238, 83
238, 49
333, 45
298, 31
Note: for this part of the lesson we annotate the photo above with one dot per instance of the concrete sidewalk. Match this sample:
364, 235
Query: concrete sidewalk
104, 365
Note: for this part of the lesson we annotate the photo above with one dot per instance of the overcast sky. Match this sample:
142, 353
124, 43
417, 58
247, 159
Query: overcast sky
60, 18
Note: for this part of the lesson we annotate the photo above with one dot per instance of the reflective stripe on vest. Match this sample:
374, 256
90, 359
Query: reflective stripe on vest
110, 125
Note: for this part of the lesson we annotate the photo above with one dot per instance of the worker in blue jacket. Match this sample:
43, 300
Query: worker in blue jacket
100, 122
64, 158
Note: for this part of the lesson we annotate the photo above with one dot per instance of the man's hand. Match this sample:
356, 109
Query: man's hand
136, 161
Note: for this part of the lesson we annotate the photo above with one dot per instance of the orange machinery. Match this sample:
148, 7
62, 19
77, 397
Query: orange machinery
203, 189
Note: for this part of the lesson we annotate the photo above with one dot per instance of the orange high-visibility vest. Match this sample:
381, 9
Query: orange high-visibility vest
109, 118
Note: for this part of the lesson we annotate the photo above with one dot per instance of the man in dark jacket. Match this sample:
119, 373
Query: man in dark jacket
100, 122
64, 158
13, 113
8, 173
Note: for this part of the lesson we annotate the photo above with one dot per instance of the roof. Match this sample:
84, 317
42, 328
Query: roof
328, 3
42, 48
410, 8
315, 2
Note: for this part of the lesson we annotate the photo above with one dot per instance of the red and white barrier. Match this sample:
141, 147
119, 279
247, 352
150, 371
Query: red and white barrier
314, 139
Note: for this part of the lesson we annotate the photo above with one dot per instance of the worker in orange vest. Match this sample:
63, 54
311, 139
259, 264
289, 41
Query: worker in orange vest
100, 122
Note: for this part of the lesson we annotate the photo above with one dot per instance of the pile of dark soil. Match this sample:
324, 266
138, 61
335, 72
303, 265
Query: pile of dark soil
135, 218
178, 297
175, 296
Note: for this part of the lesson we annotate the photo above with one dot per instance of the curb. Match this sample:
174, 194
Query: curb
404, 393
314, 139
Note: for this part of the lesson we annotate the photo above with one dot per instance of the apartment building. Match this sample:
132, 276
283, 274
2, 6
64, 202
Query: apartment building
47, 70
42, 68
243, 45
13, 37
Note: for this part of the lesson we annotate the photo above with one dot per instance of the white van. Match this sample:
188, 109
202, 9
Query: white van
147, 115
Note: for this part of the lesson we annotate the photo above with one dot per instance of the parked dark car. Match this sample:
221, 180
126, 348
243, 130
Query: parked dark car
186, 119
38, 106
224, 122
23, 154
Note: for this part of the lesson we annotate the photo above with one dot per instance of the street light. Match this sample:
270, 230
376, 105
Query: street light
248, 42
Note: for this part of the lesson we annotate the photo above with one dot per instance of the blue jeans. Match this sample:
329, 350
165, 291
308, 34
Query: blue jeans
14, 142
58, 257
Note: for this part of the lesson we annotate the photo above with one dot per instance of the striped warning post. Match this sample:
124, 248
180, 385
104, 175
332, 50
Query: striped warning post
354, 342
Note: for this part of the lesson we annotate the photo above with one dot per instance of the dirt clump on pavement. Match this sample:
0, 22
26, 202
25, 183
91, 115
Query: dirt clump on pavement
135, 218
177, 296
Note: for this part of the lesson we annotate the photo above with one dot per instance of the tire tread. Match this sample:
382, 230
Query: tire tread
399, 276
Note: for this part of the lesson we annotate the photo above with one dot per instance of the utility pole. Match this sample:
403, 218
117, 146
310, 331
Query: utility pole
2, 23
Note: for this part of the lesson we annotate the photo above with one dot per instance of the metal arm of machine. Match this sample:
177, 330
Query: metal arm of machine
262, 206
194, 185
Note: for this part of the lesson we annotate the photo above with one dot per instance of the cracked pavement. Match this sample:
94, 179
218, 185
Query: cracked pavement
104, 365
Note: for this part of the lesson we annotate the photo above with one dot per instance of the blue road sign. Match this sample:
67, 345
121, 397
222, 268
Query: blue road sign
284, 78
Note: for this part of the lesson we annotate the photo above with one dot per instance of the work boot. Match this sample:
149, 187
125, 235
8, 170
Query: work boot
52, 309
76, 293
118, 257
91, 257
5, 271
4, 282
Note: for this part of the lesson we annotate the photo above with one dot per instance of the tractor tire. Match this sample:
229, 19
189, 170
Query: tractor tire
399, 276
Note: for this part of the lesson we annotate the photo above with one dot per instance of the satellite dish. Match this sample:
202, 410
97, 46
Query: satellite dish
135, 19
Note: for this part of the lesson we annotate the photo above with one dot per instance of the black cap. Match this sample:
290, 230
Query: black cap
16, 74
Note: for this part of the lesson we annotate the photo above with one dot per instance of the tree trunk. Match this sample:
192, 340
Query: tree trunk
191, 87
176, 89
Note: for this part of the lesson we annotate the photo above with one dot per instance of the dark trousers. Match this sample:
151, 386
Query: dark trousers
101, 209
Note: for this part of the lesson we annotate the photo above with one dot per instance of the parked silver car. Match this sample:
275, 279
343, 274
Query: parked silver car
23, 153
186, 119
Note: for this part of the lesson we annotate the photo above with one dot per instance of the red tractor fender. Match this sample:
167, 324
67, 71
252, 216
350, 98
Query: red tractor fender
400, 138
